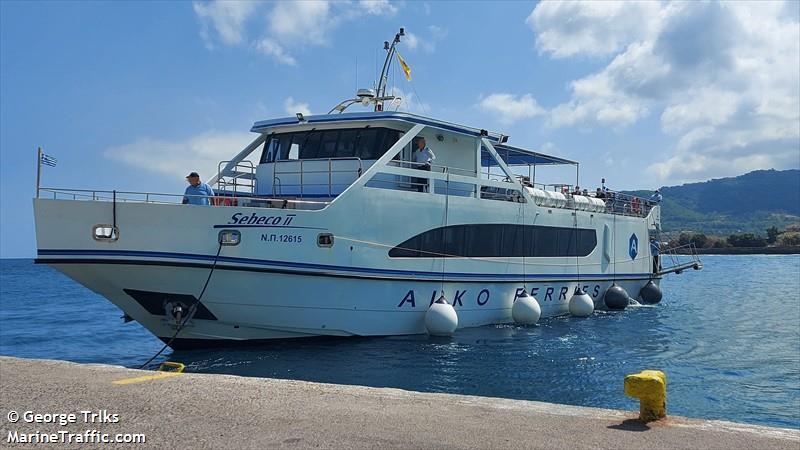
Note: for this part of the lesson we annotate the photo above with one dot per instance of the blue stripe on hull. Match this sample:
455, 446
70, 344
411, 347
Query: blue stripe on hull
350, 270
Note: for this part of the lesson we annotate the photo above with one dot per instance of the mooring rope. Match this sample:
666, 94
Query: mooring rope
192, 309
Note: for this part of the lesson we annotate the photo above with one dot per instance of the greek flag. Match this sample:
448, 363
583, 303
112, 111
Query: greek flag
48, 160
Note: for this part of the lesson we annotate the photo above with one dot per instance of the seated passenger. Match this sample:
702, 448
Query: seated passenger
197, 193
577, 191
600, 193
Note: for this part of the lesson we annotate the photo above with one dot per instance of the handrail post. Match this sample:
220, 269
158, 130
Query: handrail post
330, 176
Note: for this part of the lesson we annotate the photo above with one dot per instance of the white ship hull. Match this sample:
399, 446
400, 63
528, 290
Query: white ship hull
278, 283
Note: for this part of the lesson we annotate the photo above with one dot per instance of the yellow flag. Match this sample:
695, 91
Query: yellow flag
406, 69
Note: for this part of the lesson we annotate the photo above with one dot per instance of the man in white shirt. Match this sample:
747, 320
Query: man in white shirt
423, 157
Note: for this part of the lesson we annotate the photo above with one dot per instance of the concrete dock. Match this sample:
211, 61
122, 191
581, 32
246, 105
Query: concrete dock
221, 411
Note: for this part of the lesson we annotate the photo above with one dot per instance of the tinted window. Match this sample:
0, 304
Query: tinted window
328, 146
497, 240
285, 144
347, 143
309, 147
367, 144
276, 147
364, 143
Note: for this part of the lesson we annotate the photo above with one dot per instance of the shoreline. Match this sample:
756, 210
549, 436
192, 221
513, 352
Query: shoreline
794, 250
213, 411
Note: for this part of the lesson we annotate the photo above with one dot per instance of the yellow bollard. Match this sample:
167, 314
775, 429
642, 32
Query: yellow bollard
650, 387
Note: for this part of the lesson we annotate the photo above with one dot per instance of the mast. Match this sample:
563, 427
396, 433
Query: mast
390, 50
378, 96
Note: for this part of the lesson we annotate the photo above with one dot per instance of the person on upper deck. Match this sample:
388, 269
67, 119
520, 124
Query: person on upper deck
423, 158
656, 197
423, 155
577, 191
197, 193
600, 193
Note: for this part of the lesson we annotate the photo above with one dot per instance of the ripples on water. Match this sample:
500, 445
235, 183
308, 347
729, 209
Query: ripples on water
728, 338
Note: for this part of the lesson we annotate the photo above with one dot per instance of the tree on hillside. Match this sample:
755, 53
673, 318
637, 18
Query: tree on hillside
747, 240
790, 238
772, 234
698, 239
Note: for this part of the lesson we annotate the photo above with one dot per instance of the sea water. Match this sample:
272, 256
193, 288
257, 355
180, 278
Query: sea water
728, 338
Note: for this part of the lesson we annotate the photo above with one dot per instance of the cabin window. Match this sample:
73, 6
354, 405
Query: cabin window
366, 143
498, 240
347, 143
309, 144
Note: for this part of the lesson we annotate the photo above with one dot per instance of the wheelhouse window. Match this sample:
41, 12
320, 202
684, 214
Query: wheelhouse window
498, 240
368, 143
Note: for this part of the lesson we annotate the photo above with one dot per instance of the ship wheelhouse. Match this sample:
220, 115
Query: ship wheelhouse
312, 161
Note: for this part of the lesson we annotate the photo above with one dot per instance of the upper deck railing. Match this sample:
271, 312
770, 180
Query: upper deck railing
397, 175
223, 199
317, 177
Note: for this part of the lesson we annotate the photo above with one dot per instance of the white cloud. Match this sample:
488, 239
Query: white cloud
722, 76
411, 41
175, 158
510, 108
301, 22
290, 25
378, 7
565, 29
293, 25
408, 102
226, 17
426, 43
293, 107
269, 47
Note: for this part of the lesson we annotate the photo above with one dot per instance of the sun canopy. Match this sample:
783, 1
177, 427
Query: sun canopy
515, 156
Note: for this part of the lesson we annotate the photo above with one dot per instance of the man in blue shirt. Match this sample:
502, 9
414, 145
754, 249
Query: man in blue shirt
654, 250
197, 193
656, 197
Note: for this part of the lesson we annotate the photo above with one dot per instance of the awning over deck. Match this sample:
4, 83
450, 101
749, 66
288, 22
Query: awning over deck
515, 156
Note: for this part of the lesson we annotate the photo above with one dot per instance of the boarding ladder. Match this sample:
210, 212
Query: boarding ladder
677, 259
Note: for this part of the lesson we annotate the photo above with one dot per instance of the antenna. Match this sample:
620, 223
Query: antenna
378, 95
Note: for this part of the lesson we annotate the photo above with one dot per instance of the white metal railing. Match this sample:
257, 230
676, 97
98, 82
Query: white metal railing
240, 177
617, 203
408, 179
308, 179
173, 199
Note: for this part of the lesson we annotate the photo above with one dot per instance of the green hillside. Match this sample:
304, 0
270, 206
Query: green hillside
749, 203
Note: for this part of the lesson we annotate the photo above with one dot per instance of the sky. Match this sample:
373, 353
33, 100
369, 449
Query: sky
134, 95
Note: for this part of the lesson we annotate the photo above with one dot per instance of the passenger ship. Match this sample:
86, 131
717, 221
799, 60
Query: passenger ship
324, 227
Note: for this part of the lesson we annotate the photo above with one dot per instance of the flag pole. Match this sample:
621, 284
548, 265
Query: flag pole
38, 169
